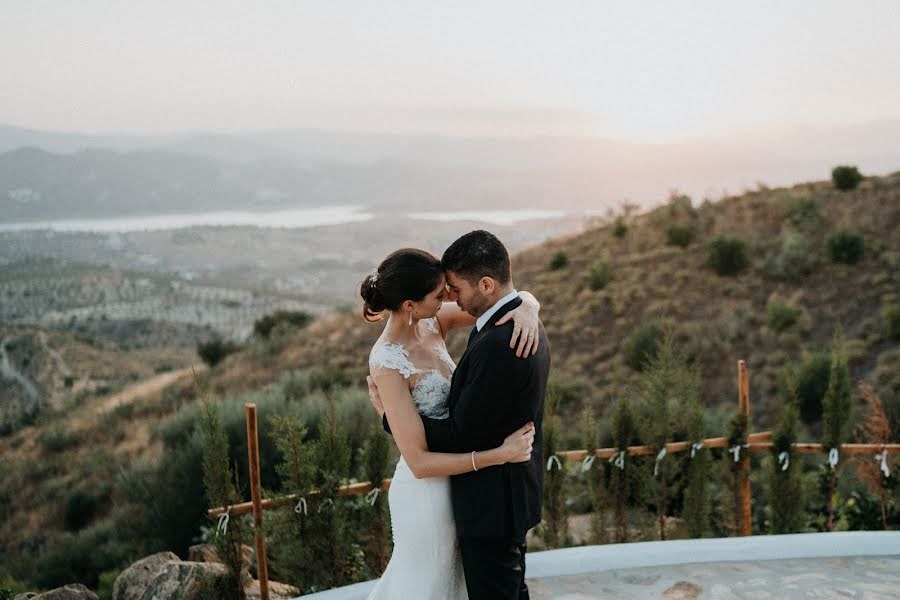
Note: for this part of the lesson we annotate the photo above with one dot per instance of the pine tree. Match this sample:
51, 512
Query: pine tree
786, 500
593, 476
696, 494
219, 481
555, 526
836, 407
666, 388
624, 434
377, 532
287, 529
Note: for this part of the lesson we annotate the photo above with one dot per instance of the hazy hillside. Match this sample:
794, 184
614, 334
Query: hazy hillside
719, 319
784, 304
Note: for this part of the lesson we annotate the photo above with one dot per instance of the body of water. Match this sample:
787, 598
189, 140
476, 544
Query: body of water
295, 218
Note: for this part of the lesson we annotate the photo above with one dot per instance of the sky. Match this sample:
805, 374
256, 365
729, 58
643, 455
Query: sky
646, 71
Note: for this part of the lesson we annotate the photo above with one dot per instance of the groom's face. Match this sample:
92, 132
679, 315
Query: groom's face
468, 297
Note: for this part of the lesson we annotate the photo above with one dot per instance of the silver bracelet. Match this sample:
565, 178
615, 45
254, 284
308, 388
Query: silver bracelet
473, 460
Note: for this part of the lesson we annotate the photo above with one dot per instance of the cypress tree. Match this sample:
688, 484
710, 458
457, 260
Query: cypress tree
836, 407
786, 500
554, 529
219, 481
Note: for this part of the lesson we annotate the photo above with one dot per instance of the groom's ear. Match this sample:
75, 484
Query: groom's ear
487, 285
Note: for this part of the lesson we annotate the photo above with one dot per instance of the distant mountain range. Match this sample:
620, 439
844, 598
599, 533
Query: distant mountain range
50, 175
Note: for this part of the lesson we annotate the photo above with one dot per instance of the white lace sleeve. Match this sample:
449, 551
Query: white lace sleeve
390, 356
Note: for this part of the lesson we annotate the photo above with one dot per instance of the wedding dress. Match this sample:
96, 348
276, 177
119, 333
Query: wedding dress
426, 563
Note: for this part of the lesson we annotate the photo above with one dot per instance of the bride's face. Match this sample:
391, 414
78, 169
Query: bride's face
431, 304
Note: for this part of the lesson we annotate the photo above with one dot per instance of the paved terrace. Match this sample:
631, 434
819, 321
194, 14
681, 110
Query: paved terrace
840, 565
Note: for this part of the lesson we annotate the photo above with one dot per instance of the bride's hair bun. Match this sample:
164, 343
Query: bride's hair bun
407, 274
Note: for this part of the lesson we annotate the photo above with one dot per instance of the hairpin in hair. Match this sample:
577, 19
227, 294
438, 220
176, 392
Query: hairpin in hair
374, 275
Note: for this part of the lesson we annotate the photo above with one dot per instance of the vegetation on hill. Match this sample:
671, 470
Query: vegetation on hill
115, 482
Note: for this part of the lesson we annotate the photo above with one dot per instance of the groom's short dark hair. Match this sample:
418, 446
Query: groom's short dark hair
478, 254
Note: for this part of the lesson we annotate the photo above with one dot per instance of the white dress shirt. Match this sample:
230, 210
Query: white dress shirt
483, 319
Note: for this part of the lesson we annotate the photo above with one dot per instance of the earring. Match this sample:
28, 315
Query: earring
410, 316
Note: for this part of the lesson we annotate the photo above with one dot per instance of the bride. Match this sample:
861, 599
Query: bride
411, 369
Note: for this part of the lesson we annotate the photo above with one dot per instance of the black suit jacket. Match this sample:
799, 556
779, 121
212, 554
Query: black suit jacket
493, 393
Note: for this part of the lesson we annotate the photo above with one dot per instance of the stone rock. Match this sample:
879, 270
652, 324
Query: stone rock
25, 596
133, 581
683, 590
73, 591
277, 591
206, 553
184, 580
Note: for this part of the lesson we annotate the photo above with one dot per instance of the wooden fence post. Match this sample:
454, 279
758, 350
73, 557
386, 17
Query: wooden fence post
253, 456
744, 482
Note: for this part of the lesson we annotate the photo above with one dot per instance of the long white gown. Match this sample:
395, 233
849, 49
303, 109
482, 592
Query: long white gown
426, 563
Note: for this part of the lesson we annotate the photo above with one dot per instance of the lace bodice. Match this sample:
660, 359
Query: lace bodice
431, 383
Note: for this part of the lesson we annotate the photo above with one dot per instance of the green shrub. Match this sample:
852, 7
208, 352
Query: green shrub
264, 325
214, 351
620, 229
803, 214
681, 234
599, 275
810, 377
80, 509
559, 260
781, 315
57, 438
845, 177
846, 246
794, 260
642, 345
892, 321
786, 500
728, 255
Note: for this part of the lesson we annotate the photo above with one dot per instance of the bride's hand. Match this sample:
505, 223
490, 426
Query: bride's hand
525, 330
517, 445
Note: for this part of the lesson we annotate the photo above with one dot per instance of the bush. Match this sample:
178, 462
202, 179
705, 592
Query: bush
727, 255
781, 315
681, 234
599, 275
299, 319
559, 260
803, 214
845, 177
57, 438
80, 509
794, 260
811, 379
620, 229
214, 351
892, 321
642, 345
846, 246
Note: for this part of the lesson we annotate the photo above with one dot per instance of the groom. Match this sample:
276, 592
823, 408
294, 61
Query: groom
493, 393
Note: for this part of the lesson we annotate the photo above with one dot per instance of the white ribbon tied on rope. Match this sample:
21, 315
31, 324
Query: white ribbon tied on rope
587, 463
618, 459
328, 501
882, 457
784, 459
736, 451
301, 507
222, 525
696, 448
553, 460
372, 496
660, 455
833, 458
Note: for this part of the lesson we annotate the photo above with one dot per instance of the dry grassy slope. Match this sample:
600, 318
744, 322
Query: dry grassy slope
720, 319
93, 439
